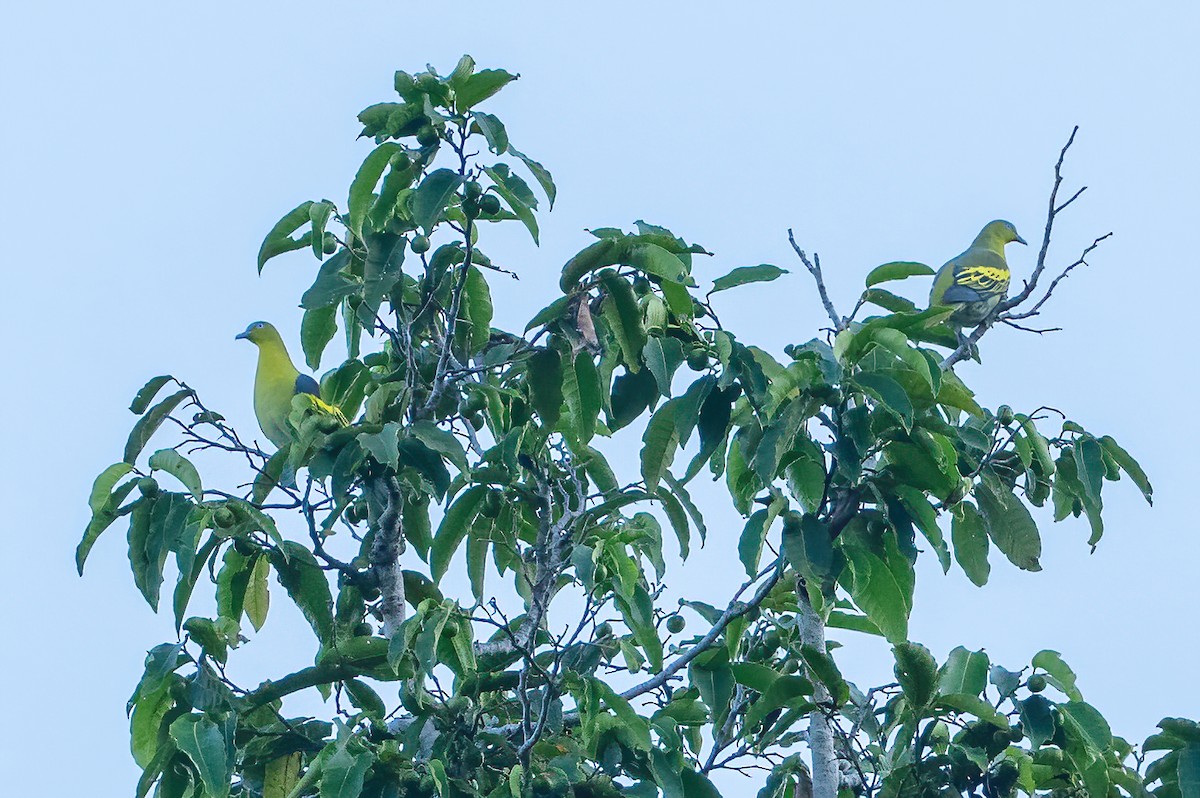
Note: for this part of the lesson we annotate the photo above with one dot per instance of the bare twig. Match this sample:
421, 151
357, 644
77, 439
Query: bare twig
814, 268
1007, 311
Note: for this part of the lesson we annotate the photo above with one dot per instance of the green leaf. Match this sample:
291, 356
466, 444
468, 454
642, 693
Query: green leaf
755, 676
146, 395
896, 270
1085, 723
888, 301
551, 312
882, 588
1058, 673
279, 240
965, 672
890, 393
453, 529
633, 723
974, 705
540, 174
546, 386
605, 252
823, 669
317, 329
1009, 524
204, 743
970, 543
763, 273
1038, 719
258, 596
620, 310
1189, 771
493, 130
808, 546
1129, 466
658, 445
786, 691
300, 575
441, 441
685, 499
332, 283
677, 517
154, 527
343, 774
585, 398
1089, 463
384, 445
750, 542
362, 188
319, 214
653, 259
517, 195
926, 519
179, 467
430, 198
697, 785
917, 672
148, 424
480, 86
477, 301
103, 503
663, 357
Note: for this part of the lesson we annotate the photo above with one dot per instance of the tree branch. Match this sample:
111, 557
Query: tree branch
814, 268
1005, 312
385, 553
820, 729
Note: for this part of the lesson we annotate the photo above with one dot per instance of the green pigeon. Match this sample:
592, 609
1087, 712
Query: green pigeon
976, 281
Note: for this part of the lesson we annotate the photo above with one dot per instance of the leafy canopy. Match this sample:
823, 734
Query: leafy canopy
479, 451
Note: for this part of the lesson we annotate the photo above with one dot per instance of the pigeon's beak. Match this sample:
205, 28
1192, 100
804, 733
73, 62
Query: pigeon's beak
1020, 240
245, 335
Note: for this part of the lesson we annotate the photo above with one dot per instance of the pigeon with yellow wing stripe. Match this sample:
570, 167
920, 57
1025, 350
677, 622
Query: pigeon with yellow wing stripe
277, 382
976, 281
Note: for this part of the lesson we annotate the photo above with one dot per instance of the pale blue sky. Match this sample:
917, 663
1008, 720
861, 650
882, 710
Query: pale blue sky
147, 147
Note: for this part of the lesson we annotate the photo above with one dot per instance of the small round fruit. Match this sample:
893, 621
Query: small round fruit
420, 245
1005, 415
364, 629
427, 135
604, 630
329, 245
224, 517
476, 421
676, 624
697, 359
1016, 734
472, 190
489, 204
471, 207
1037, 683
641, 286
148, 486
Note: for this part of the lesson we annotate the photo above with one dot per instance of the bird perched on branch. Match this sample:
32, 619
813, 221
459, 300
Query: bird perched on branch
277, 382
976, 281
